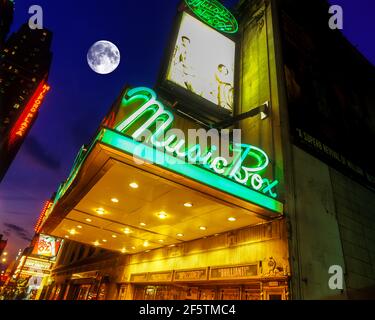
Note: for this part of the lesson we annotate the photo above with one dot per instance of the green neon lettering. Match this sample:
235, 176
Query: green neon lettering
218, 164
269, 187
152, 106
177, 147
213, 13
256, 182
249, 161
197, 173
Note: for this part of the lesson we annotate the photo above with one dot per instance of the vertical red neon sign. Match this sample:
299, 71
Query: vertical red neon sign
38, 225
28, 115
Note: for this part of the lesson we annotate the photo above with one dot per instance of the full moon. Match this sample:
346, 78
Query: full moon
103, 57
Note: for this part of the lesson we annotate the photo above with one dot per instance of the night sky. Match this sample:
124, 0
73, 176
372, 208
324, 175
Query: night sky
80, 98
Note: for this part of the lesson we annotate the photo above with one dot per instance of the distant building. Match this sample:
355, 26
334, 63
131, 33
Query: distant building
3, 244
25, 60
6, 18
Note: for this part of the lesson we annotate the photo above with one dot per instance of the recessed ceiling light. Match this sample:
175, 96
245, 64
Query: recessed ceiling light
134, 185
188, 204
100, 211
79, 227
180, 235
143, 224
146, 244
115, 200
127, 231
147, 251
114, 236
133, 248
123, 250
104, 240
172, 245
96, 243
67, 236
203, 228
73, 232
232, 219
161, 241
162, 215
88, 220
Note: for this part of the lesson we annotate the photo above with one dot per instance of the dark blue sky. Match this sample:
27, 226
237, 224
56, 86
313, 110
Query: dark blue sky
79, 98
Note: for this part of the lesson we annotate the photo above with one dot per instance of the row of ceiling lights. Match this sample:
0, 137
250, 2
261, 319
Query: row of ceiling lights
161, 215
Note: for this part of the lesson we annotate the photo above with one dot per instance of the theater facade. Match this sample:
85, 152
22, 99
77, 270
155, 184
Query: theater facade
189, 222
202, 188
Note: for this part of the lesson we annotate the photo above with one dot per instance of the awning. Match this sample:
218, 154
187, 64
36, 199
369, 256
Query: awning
98, 206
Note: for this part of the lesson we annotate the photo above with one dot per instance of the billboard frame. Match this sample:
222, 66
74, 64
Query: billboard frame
189, 102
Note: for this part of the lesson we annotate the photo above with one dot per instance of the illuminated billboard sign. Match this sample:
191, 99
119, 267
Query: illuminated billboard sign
202, 63
47, 246
243, 176
42, 216
141, 126
214, 14
34, 266
28, 115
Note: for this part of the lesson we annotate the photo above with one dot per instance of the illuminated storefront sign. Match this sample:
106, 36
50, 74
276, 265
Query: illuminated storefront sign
190, 275
211, 273
246, 168
29, 113
202, 63
236, 272
47, 246
19, 266
42, 216
234, 177
36, 267
214, 14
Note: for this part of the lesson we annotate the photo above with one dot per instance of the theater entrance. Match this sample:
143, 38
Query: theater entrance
251, 291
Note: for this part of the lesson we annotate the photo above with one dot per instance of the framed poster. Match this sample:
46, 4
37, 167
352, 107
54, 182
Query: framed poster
200, 70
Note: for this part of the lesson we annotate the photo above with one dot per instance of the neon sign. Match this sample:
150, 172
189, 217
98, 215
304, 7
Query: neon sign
29, 113
47, 246
42, 216
246, 167
214, 14
231, 177
197, 173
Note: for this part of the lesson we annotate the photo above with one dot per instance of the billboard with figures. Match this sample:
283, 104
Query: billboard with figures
201, 66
